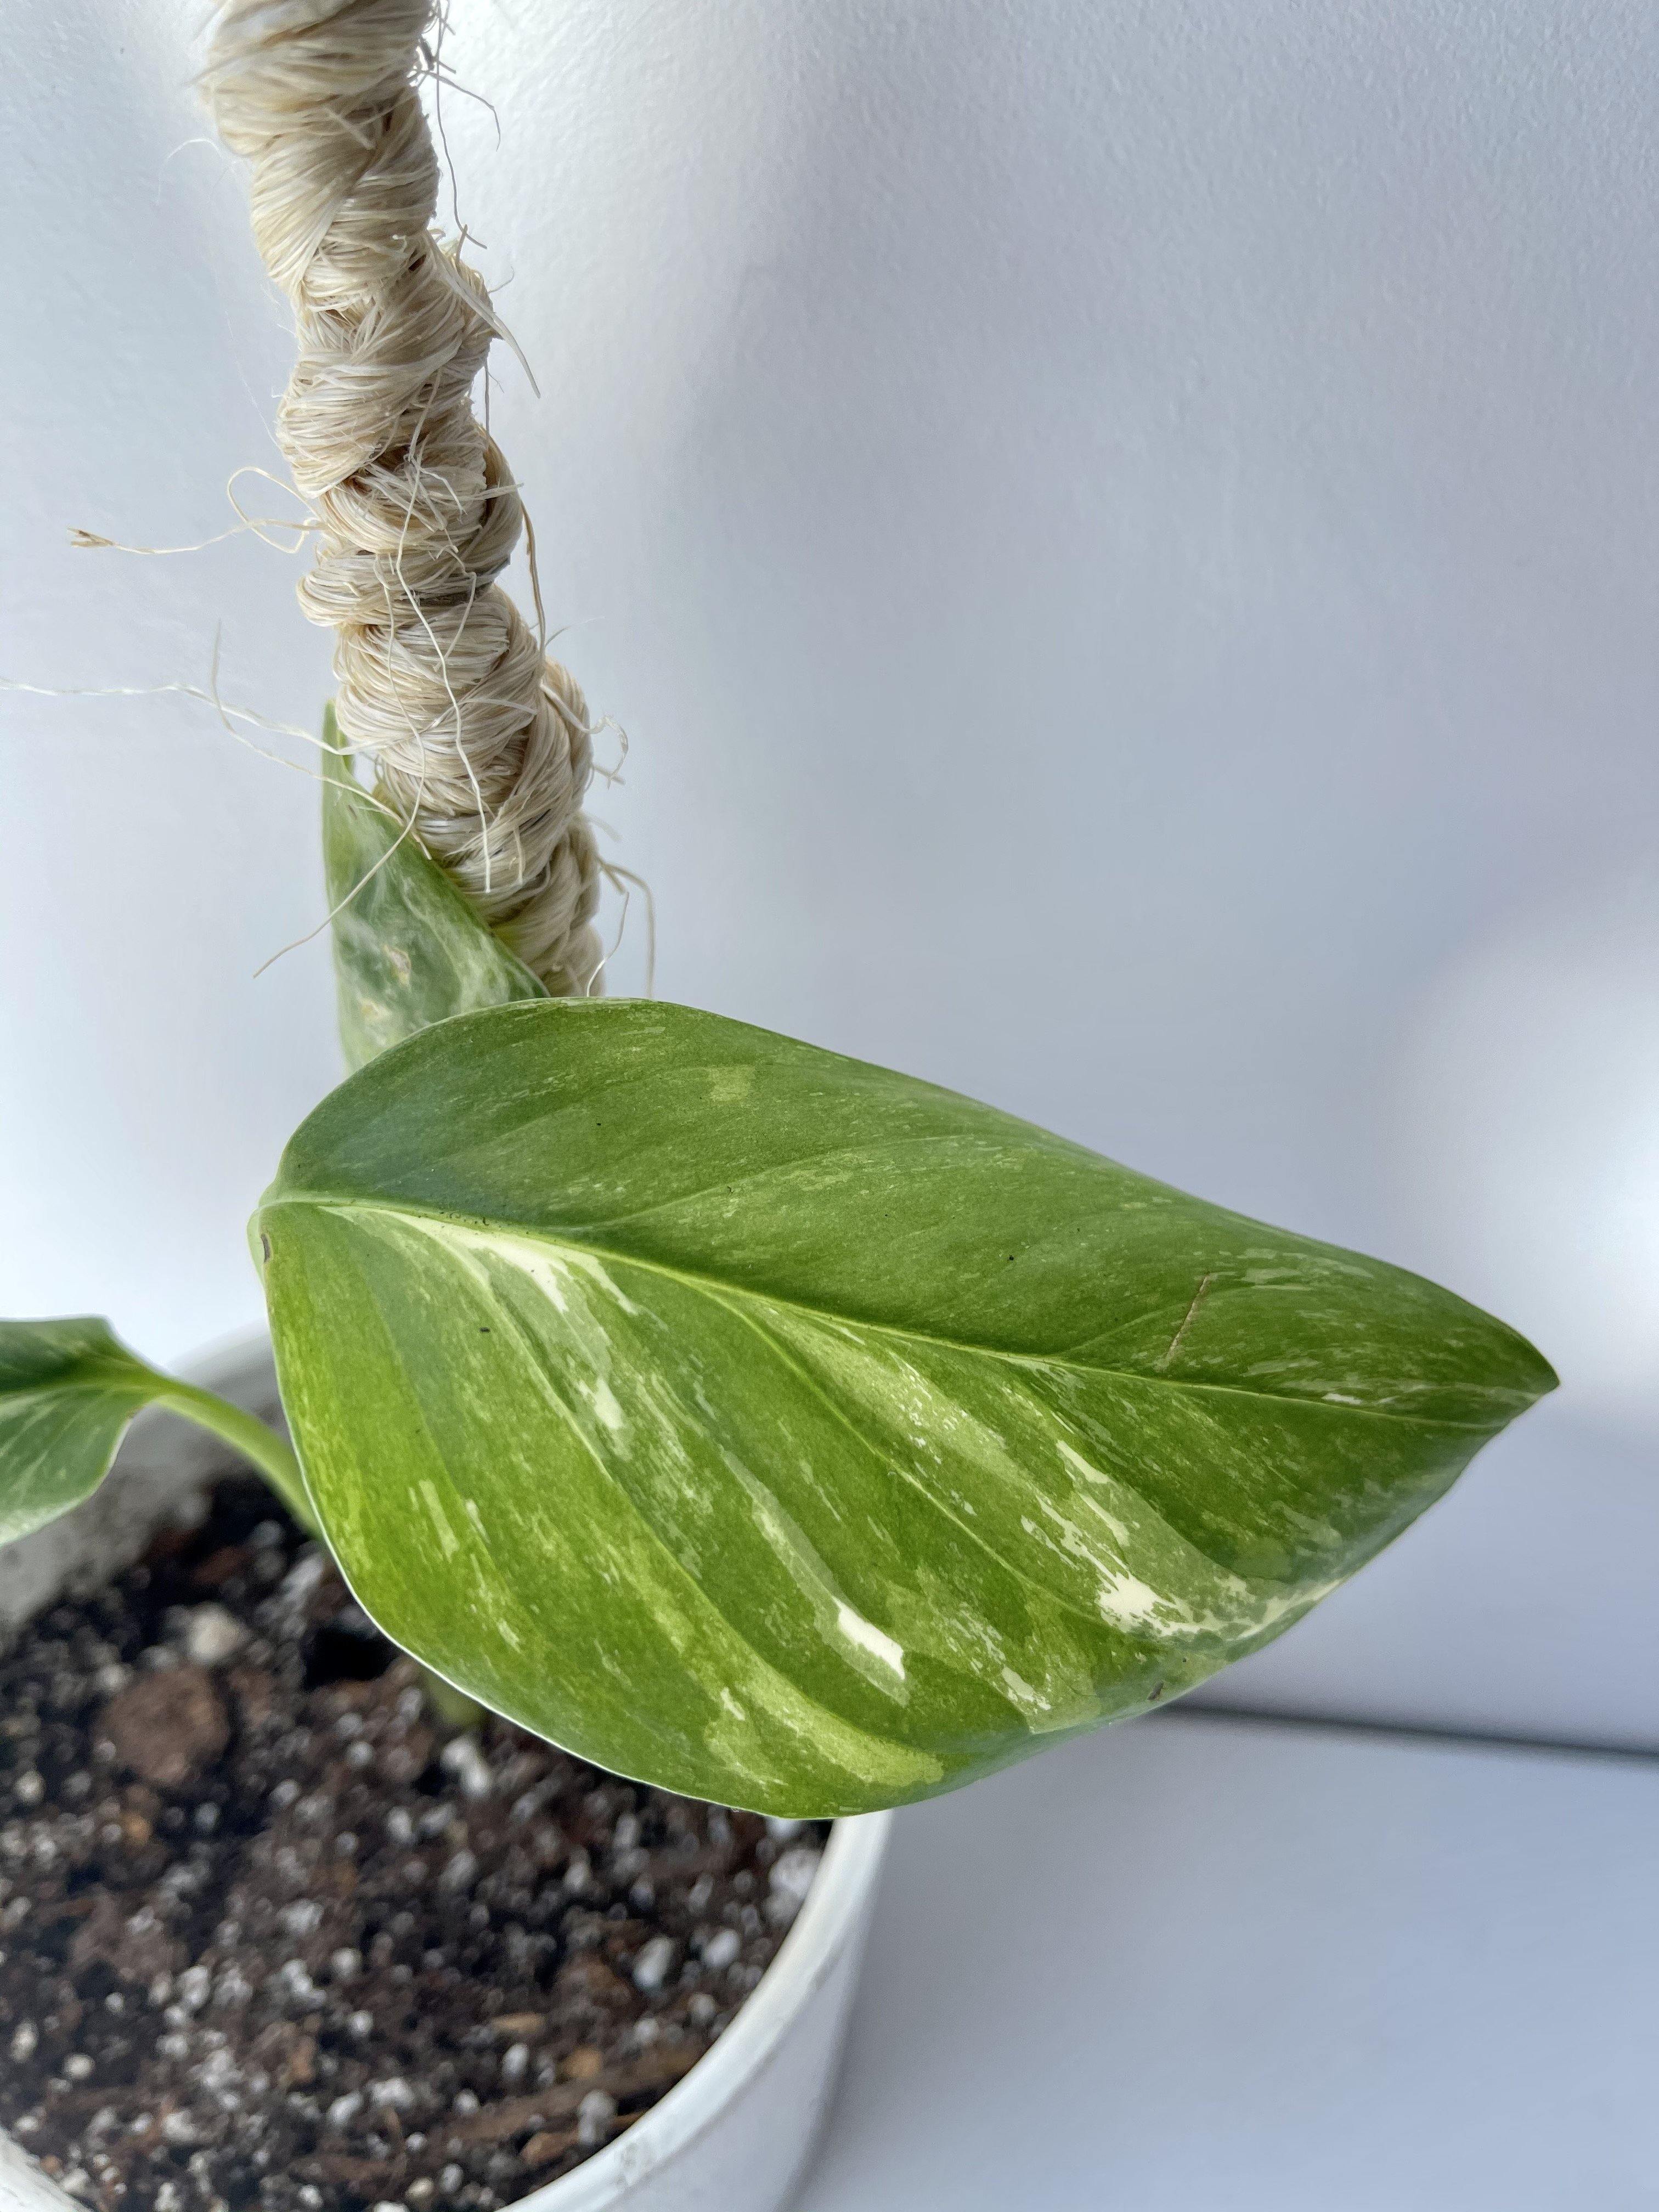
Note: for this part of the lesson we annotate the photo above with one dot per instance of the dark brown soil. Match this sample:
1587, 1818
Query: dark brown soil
272, 1936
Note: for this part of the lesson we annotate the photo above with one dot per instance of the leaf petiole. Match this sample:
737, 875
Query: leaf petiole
250, 1436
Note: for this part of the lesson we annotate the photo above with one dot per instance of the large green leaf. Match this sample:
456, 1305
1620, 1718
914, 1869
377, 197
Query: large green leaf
782, 1430
408, 948
68, 1391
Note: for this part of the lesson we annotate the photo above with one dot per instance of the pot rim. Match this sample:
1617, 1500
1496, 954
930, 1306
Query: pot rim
831, 1917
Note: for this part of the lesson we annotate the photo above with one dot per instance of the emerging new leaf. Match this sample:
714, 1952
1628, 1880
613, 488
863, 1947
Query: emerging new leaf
778, 1429
409, 949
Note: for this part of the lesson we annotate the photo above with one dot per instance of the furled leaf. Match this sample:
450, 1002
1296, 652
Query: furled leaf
782, 1430
408, 948
68, 1391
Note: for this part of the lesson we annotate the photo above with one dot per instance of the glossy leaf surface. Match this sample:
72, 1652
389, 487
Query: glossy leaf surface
408, 948
782, 1430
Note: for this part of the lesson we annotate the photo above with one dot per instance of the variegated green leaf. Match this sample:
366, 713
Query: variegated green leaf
408, 948
779, 1429
68, 1391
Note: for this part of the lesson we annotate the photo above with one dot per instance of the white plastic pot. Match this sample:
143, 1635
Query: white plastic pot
735, 2135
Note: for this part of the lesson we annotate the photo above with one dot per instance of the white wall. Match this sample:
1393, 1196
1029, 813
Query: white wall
1124, 540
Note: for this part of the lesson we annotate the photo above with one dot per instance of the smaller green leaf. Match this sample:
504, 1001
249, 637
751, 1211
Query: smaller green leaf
408, 948
68, 1391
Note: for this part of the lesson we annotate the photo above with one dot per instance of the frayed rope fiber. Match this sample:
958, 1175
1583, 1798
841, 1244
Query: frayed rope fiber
475, 737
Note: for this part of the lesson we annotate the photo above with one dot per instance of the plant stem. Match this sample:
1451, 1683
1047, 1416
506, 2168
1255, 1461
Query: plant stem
450, 1704
252, 1437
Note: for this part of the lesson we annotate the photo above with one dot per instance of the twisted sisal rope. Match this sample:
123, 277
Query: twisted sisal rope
475, 737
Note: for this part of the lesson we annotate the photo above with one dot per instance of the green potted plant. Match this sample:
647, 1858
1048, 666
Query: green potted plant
780, 1436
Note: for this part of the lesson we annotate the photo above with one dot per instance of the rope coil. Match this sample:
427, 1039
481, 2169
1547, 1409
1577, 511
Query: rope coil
476, 736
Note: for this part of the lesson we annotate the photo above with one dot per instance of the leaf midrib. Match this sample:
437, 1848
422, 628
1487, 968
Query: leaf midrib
714, 1288
118, 1385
